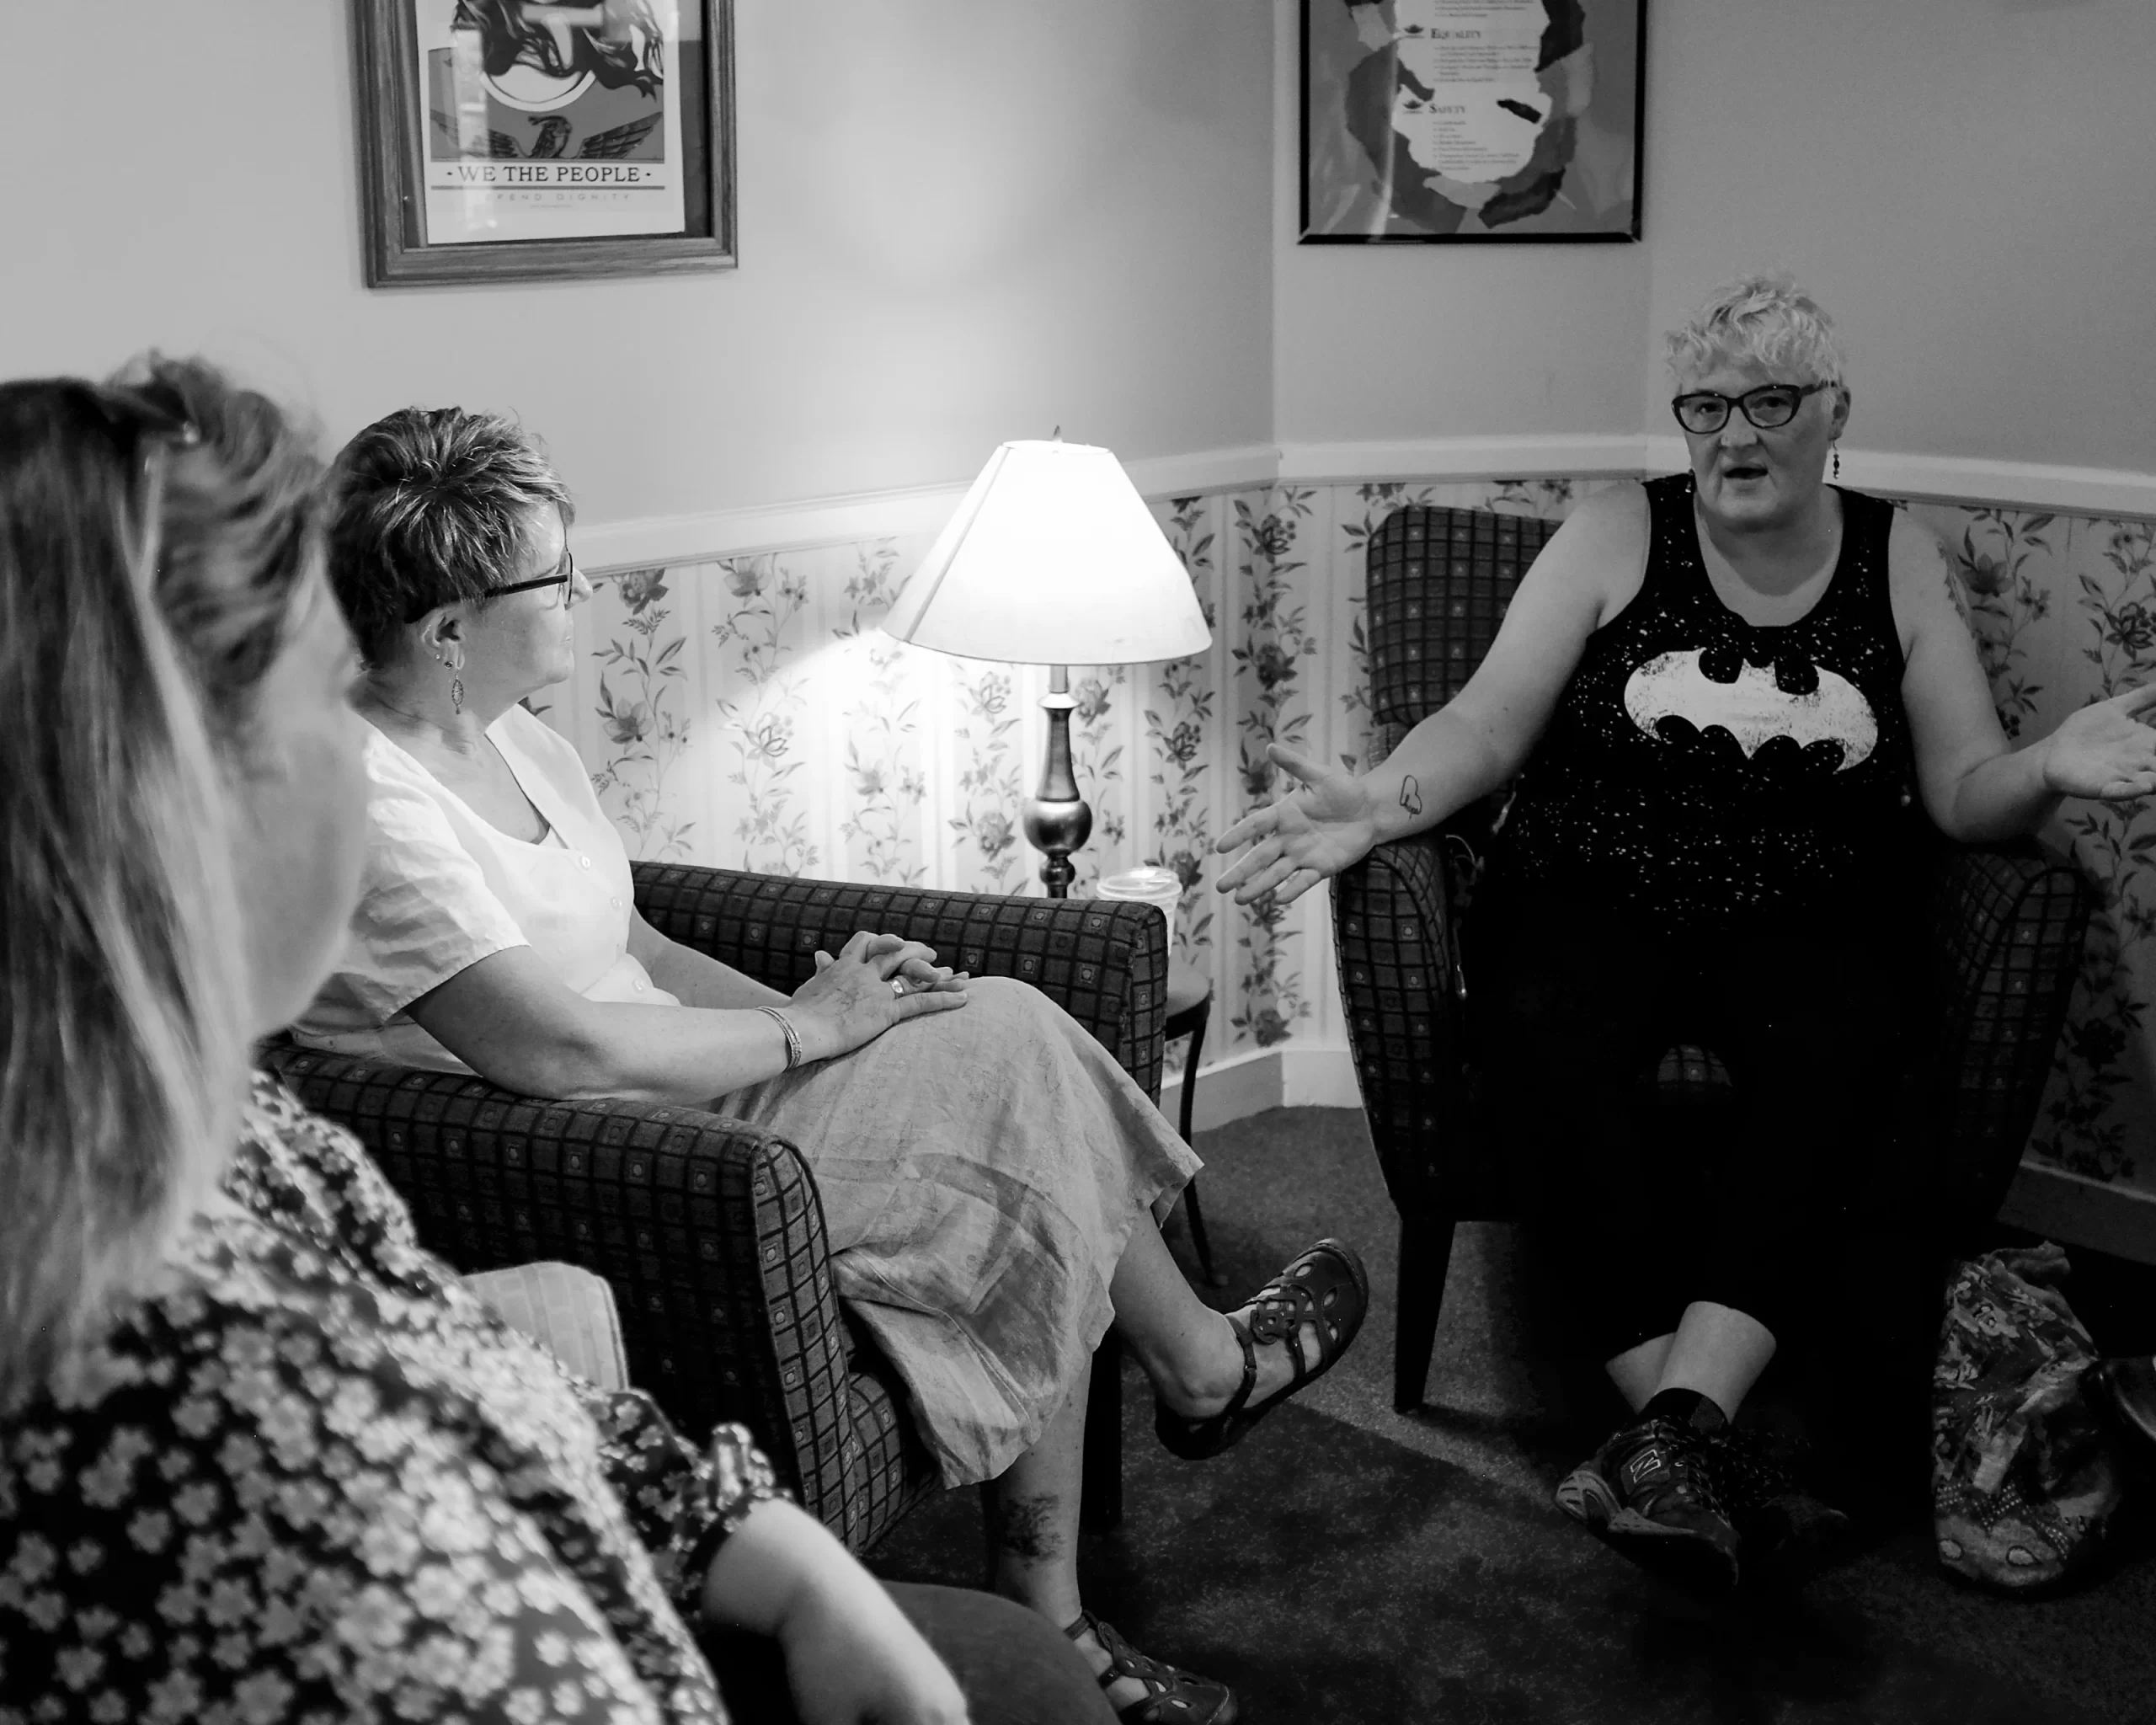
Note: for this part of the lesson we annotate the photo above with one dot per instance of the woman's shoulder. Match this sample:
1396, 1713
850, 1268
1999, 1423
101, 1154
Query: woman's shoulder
522, 730
1623, 508
1603, 544
1914, 553
294, 1169
527, 740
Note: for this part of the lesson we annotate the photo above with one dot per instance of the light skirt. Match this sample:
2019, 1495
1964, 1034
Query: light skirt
981, 1170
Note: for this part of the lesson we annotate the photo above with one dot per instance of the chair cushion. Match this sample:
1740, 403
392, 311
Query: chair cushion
565, 1308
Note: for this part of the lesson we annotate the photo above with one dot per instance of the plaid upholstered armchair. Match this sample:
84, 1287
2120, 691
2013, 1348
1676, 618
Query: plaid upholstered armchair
2006, 925
709, 1230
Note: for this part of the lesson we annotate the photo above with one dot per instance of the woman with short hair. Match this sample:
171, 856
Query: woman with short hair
988, 1175
1717, 690
261, 1457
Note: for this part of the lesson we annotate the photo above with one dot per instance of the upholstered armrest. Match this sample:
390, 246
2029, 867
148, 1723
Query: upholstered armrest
2006, 927
1103, 963
1402, 981
1385, 737
709, 1229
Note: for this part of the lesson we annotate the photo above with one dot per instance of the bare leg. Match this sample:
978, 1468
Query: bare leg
1637, 1372
1031, 1517
1718, 1352
1187, 1347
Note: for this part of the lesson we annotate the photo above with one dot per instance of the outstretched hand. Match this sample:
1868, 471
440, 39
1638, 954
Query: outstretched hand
2105, 751
1312, 832
850, 1000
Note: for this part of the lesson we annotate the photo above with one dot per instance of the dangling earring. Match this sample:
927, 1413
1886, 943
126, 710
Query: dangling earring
1838, 461
455, 682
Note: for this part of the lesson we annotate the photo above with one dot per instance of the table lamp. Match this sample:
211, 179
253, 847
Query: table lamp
1052, 559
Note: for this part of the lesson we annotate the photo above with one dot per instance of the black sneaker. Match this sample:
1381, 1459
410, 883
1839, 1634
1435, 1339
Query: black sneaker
1788, 1534
1650, 1492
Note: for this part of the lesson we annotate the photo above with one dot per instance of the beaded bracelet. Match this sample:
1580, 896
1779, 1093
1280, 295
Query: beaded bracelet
793, 1036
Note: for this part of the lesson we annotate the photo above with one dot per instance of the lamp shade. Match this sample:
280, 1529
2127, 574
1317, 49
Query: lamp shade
1052, 559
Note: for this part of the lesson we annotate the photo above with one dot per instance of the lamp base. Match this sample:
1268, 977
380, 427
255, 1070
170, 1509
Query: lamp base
1055, 828
1056, 819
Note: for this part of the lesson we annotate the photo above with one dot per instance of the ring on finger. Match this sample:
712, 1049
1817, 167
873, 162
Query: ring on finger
898, 986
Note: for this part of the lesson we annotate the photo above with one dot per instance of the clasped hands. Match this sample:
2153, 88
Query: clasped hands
850, 1000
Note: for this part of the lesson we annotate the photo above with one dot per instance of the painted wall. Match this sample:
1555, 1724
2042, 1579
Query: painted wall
1963, 182
959, 223
1381, 344
1966, 185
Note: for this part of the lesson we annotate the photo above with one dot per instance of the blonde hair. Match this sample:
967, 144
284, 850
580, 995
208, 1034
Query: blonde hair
124, 1046
1767, 319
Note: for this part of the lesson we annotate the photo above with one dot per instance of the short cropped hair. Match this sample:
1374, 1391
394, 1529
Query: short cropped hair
1767, 319
431, 505
134, 632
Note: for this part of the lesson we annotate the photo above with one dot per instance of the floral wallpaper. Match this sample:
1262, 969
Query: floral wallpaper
747, 712
2064, 608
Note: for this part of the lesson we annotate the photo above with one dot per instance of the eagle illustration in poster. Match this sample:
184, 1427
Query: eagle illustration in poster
542, 83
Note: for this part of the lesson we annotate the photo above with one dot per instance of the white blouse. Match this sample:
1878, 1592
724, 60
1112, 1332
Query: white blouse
444, 888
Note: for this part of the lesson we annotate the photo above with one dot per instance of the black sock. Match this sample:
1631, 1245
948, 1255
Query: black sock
1686, 1407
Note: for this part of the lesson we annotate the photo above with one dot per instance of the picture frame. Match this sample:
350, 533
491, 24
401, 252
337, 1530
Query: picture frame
511, 140
1453, 122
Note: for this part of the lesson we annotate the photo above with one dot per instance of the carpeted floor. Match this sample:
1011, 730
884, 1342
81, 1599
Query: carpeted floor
1350, 1564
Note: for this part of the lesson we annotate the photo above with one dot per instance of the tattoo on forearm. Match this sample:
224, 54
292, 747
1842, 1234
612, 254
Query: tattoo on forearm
1411, 795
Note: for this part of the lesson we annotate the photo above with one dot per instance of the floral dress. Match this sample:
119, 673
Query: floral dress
317, 1480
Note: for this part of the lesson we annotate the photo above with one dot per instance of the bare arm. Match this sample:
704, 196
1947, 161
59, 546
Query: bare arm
513, 1022
849, 1651
1479, 738
693, 977
1976, 786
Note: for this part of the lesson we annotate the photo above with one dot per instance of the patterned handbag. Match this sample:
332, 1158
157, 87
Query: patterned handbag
2026, 1478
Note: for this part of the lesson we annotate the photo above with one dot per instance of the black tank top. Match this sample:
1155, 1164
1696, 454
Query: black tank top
1707, 774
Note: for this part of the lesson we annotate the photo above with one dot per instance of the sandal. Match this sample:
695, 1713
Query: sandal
1171, 1697
1327, 1287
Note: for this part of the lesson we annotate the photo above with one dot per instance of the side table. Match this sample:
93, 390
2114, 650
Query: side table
1190, 1004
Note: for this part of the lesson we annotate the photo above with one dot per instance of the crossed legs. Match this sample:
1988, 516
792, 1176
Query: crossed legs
1196, 1364
1684, 1276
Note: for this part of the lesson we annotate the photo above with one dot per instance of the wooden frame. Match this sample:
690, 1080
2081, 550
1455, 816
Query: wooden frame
392, 185
1405, 202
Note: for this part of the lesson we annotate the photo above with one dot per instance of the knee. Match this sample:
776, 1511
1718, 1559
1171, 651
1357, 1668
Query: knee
1017, 1009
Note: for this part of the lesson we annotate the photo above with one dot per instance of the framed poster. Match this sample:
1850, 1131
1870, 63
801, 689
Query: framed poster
1459, 121
514, 140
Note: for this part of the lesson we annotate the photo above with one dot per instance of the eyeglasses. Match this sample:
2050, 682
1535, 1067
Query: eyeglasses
1702, 412
563, 575
149, 421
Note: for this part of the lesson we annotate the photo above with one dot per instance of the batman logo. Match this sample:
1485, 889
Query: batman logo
1755, 707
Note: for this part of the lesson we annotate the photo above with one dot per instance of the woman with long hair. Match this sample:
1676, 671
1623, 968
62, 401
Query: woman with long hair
261, 1457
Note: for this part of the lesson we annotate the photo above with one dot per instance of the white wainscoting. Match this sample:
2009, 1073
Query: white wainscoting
604, 546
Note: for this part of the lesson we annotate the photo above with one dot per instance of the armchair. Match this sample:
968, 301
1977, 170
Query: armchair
2006, 926
709, 1230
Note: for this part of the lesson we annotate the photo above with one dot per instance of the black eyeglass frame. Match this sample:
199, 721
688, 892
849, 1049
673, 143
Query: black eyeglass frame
1744, 403
563, 576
